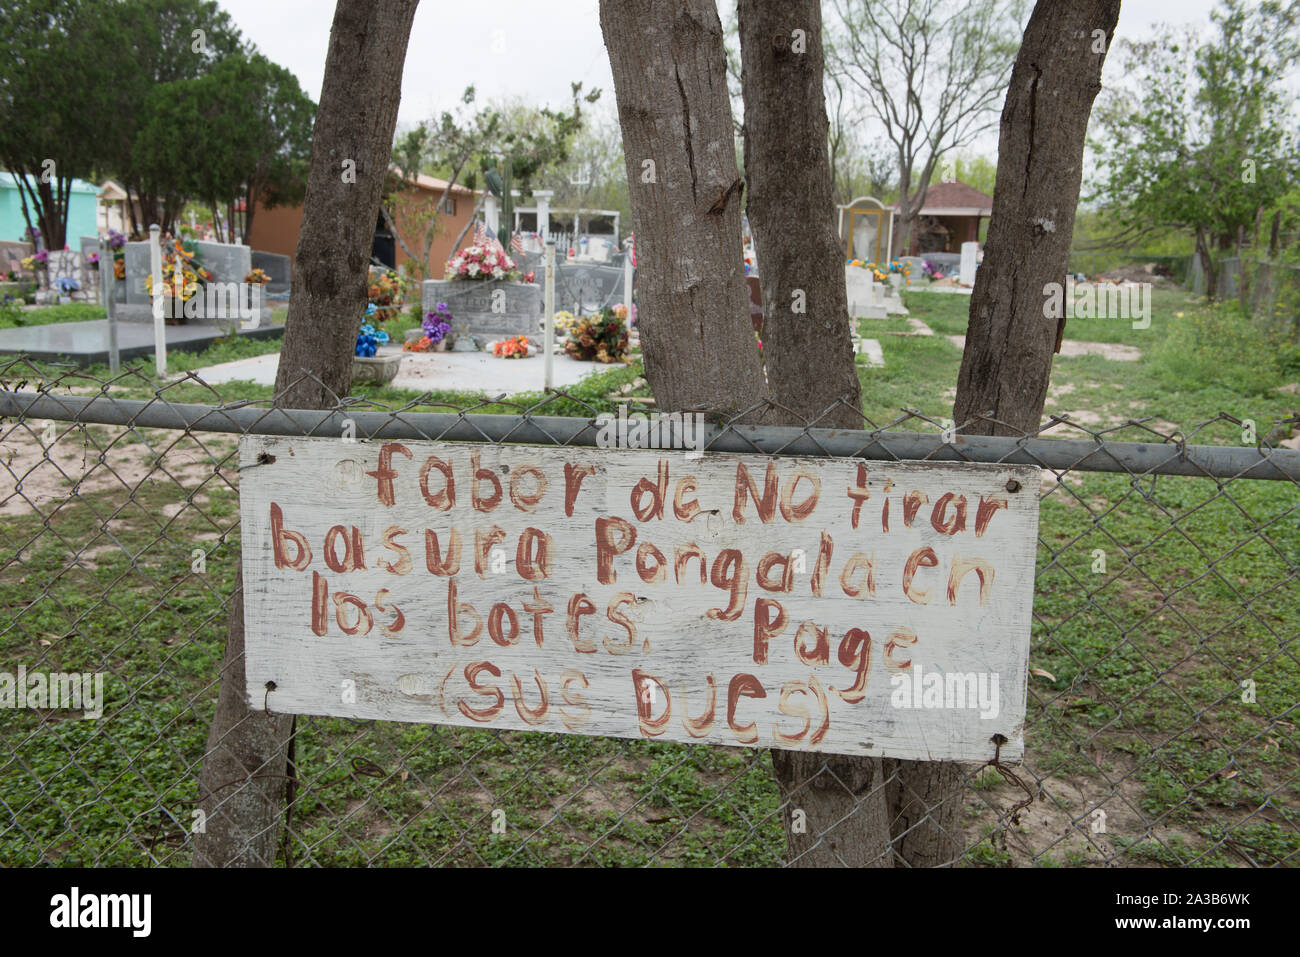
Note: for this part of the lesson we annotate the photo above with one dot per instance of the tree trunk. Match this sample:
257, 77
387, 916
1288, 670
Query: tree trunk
670, 83
1009, 345
242, 784
1007, 361
1207, 266
808, 351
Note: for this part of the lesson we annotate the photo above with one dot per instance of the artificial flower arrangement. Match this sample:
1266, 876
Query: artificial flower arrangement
601, 337
564, 321
876, 274
37, 261
257, 278
387, 293
516, 347
192, 274
117, 245
369, 340
902, 268
482, 261
931, 270
436, 326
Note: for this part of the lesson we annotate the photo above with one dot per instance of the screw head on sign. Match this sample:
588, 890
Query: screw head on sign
1013, 485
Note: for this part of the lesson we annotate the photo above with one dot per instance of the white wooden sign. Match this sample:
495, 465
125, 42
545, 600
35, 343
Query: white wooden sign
814, 604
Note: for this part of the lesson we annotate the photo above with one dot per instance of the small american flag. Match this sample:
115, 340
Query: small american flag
480, 234
517, 244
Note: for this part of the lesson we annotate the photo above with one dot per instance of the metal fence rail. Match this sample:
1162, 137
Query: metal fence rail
1164, 674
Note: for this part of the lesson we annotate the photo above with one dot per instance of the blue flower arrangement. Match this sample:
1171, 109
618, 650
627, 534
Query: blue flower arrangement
369, 339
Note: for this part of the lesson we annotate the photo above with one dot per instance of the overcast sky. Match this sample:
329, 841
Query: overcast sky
526, 48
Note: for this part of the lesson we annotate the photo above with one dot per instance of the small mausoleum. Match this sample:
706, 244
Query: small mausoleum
951, 215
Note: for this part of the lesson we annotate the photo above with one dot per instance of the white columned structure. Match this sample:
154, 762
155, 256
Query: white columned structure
492, 213
543, 200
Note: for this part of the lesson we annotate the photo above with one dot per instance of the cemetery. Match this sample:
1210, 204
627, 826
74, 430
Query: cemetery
343, 405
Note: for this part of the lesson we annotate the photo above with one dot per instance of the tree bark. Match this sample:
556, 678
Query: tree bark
808, 351
1009, 345
1007, 361
242, 784
670, 83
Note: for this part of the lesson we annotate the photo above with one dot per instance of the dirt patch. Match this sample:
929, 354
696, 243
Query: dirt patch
36, 478
1073, 349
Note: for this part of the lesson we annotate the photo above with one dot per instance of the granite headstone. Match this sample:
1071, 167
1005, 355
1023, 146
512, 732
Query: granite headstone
483, 311
584, 289
278, 267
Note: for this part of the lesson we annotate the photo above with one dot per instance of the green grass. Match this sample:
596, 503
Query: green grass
11, 318
1138, 708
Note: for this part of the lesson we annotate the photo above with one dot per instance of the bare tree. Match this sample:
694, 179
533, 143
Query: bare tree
931, 72
246, 767
670, 84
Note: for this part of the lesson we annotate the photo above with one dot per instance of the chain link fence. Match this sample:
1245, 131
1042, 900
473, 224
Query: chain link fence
1163, 669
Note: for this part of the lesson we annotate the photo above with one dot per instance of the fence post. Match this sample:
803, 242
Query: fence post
159, 331
548, 331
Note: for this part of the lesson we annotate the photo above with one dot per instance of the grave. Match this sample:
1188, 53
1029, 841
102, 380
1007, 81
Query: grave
867, 230
278, 267
968, 265
228, 298
483, 311
916, 264
64, 264
227, 262
584, 288
866, 297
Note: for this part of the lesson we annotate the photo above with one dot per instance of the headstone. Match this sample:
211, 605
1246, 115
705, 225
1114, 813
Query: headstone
916, 264
278, 267
226, 261
968, 253
530, 262
483, 311
586, 288
65, 264
136, 261
229, 264
89, 246
866, 297
867, 230
12, 254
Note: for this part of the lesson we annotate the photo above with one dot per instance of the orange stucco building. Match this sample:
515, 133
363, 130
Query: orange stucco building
276, 230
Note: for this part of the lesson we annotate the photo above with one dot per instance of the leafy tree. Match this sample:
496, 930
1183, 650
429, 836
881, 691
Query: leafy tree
55, 109
149, 43
931, 72
509, 146
241, 131
1217, 130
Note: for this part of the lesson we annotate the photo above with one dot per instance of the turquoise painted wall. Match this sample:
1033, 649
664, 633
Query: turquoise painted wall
81, 211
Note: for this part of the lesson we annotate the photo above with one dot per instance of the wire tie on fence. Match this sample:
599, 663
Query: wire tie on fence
996, 763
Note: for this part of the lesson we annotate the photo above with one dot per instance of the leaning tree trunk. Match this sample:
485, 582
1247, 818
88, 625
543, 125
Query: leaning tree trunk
1007, 361
245, 771
808, 350
670, 83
